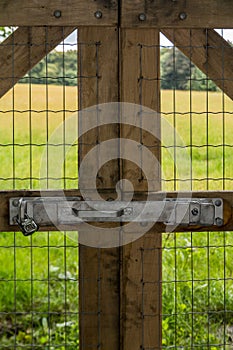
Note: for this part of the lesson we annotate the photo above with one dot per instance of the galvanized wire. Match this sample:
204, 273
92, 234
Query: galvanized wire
29, 318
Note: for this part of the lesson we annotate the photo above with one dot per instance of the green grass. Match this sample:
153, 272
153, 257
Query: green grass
196, 307
54, 290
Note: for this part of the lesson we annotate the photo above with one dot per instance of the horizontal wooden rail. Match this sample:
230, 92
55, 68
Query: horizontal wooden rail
139, 13
227, 197
177, 13
58, 12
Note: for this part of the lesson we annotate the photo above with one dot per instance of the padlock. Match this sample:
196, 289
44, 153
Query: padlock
28, 226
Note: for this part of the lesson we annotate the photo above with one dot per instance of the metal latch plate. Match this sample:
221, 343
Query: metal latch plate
47, 211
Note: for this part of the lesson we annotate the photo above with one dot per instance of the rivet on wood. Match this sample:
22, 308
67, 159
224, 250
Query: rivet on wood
57, 13
98, 14
183, 16
15, 202
142, 17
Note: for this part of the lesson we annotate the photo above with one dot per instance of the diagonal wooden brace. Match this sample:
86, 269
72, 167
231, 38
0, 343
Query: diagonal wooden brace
209, 52
23, 49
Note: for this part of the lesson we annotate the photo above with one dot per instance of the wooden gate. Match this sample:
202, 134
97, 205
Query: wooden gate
120, 288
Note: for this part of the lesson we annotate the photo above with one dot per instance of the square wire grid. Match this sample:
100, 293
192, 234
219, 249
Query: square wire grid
197, 281
196, 267
39, 301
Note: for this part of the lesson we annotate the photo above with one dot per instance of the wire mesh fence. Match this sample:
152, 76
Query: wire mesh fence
39, 277
197, 279
39, 303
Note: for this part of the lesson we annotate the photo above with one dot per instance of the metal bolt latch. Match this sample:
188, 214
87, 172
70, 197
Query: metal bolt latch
30, 213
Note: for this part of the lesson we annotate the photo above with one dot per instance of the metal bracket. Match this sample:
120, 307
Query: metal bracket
31, 213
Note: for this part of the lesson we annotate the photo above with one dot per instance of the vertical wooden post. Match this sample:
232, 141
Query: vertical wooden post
120, 301
141, 260
99, 268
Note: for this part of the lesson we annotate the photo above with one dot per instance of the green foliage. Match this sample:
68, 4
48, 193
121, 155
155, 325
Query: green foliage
178, 72
195, 307
197, 310
43, 308
4, 32
200, 82
57, 69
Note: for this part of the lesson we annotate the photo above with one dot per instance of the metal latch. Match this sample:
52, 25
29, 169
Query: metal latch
31, 213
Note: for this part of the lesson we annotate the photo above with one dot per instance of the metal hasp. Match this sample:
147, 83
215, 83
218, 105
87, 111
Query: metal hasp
32, 213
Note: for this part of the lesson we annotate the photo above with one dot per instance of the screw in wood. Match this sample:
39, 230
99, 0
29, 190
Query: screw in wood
219, 221
98, 14
183, 16
142, 17
195, 211
15, 202
57, 13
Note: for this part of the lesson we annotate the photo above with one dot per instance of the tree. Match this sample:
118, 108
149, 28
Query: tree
176, 69
4, 32
178, 72
57, 69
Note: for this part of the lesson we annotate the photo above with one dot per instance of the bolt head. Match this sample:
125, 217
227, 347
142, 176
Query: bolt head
218, 203
57, 13
15, 202
219, 221
183, 16
128, 211
142, 17
98, 14
195, 211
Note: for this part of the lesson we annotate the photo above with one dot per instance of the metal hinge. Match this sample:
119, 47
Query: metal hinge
32, 213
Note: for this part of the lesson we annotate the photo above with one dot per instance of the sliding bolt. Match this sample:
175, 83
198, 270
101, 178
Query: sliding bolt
98, 14
57, 13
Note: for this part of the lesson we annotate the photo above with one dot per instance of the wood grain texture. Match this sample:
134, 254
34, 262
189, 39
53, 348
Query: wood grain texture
209, 52
23, 49
139, 84
227, 197
99, 268
166, 13
73, 12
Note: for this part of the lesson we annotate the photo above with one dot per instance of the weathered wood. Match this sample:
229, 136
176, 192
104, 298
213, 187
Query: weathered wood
159, 14
209, 52
99, 268
23, 49
169, 14
227, 197
140, 85
45, 12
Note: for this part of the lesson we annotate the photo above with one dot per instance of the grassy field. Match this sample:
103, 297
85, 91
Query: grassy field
198, 308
